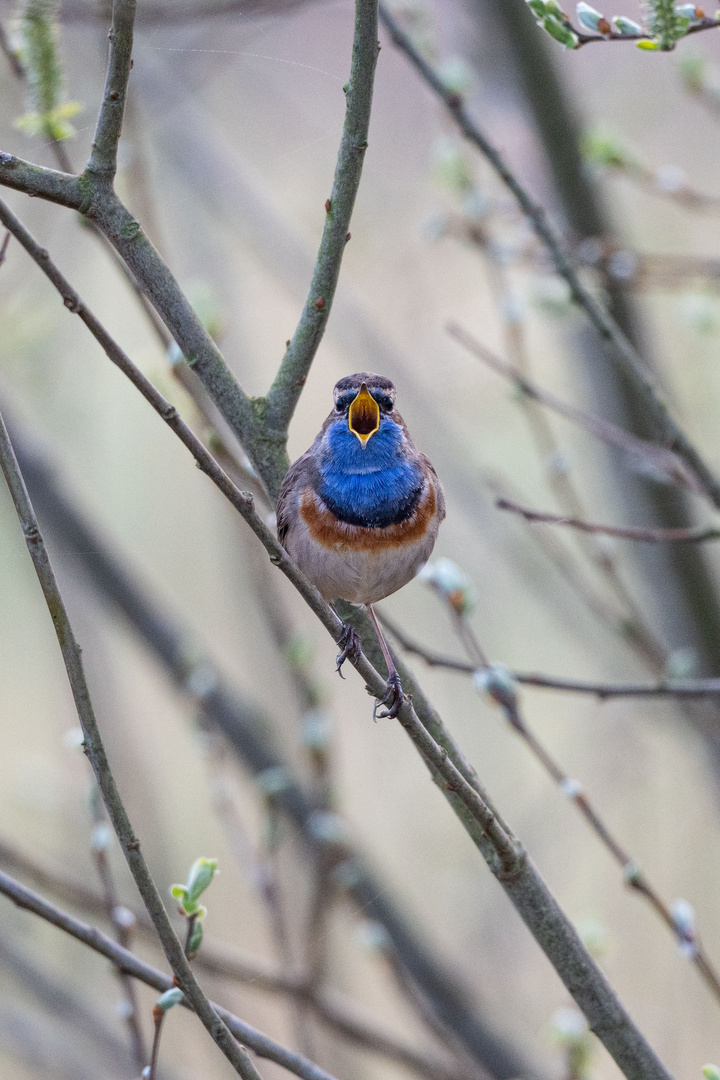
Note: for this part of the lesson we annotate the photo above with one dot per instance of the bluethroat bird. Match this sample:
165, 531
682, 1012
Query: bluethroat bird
359, 512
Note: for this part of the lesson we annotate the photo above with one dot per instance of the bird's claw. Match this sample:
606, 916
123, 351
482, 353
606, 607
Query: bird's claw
350, 645
393, 698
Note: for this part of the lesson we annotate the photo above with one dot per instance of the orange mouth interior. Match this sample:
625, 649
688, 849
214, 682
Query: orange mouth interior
364, 416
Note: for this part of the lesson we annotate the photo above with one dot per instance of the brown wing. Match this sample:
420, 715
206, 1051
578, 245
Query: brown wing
429, 470
295, 481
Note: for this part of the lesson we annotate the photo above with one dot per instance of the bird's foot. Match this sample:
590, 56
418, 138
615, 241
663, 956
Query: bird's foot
351, 647
393, 698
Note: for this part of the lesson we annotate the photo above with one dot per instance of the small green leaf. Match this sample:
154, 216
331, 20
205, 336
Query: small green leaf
648, 46
202, 872
560, 32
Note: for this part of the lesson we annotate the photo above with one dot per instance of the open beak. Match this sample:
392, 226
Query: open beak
364, 416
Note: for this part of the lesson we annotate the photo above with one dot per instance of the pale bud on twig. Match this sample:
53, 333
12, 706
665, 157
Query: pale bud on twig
273, 781
683, 914
372, 936
451, 582
588, 17
316, 731
171, 997
73, 739
124, 917
671, 179
622, 25
568, 1026
327, 828
101, 837
497, 683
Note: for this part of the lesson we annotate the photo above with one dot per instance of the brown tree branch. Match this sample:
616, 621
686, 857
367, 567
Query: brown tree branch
647, 536
687, 688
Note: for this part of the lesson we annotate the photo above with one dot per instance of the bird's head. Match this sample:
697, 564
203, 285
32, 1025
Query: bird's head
362, 401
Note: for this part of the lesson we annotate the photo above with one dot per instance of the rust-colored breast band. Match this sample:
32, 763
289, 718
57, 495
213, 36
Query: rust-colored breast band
326, 530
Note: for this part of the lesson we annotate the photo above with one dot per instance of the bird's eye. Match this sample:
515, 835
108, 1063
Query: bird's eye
343, 403
384, 401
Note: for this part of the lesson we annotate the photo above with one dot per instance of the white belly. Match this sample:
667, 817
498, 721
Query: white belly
358, 576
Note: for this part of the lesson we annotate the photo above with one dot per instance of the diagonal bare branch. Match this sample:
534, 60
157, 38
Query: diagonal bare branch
645, 457
646, 536
95, 750
623, 352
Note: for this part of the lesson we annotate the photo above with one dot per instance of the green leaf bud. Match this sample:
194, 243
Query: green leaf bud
622, 25
48, 114
202, 872
560, 32
195, 941
588, 17
171, 997
711, 1072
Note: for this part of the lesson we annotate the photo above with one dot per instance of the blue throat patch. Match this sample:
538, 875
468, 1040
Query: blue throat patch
372, 487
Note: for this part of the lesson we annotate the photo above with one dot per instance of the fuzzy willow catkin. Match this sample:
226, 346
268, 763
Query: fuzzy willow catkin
38, 31
665, 23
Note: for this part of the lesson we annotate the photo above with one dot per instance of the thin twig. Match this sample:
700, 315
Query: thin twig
622, 350
285, 391
645, 457
687, 688
95, 751
633, 875
124, 960
102, 164
675, 189
122, 922
648, 536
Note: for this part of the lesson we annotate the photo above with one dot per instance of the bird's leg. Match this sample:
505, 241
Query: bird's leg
393, 696
350, 645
